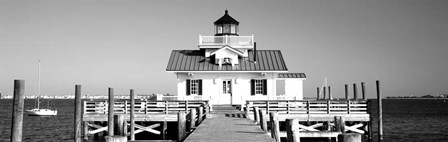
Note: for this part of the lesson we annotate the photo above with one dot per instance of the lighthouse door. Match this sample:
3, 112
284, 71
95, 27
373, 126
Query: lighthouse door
226, 95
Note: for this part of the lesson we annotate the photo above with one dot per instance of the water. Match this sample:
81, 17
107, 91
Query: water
403, 120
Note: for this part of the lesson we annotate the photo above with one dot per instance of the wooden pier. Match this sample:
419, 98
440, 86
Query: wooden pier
315, 118
149, 116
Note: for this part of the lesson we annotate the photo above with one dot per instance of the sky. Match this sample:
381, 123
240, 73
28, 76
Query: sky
126, 44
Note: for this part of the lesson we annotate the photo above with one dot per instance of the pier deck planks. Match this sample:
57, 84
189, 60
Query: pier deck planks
219, 128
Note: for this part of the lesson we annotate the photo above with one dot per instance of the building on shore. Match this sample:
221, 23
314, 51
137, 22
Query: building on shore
228, 69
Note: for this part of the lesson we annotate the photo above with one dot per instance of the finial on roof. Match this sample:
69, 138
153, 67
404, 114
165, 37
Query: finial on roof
227, 11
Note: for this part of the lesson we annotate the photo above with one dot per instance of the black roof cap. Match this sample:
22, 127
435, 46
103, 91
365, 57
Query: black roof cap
226, 19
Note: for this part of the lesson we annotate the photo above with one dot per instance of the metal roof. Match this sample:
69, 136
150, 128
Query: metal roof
226, 19
194, 60
291, 75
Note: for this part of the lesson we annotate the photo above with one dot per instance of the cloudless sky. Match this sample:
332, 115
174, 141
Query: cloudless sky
127, 44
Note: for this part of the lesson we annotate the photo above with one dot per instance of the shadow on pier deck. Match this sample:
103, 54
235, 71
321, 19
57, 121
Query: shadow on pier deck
227, 124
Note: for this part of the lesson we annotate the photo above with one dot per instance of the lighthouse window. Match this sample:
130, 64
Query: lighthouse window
219, 29
233, 29
226, 28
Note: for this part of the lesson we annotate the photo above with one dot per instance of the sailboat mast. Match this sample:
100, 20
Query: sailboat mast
38, 83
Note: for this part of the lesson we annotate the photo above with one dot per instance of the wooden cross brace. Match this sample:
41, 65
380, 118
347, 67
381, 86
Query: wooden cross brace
354, 128
310, 128
149, 128
98, 128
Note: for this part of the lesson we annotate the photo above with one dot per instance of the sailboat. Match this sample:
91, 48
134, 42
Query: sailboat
40, 111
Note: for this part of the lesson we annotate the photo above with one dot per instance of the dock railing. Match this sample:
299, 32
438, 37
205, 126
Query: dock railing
311, 106
142, 107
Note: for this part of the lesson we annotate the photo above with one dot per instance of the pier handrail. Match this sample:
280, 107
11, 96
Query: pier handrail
311, 106
142, 107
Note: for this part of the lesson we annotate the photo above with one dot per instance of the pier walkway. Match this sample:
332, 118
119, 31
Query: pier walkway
227, 124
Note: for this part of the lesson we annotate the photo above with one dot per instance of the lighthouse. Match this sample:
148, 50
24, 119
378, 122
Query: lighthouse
227, 68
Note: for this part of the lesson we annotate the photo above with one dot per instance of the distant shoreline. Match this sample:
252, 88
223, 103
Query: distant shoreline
420, 98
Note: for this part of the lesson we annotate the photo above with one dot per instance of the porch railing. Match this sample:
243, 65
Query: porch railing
226, 40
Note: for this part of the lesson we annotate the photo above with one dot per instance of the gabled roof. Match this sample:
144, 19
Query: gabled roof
291, 75
194, 60
226, 19
228, 48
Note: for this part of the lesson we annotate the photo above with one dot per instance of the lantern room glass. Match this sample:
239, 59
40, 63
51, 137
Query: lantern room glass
226, 29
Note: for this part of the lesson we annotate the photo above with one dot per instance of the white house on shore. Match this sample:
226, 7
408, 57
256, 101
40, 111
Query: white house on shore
228, 69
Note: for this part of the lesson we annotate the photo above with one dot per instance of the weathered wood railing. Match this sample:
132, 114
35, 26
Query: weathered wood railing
310, 106
313, 118
142, 107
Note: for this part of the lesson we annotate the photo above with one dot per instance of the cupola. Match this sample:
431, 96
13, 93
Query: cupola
226, 25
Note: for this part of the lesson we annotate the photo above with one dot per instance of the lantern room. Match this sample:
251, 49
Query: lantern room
226, 25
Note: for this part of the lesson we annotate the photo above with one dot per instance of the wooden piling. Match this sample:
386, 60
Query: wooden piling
363, 90
164, 130
329, 93
192, 119
317, 95
292, 130
110, 119
355, 91
339, 123
275, 127
78, 114
349, 137
119, 125
86, 130
247, 110
132, 121
324, 89
256, 115
17, 111
181, 126
380, 112
346, 92
200, 115
263, 121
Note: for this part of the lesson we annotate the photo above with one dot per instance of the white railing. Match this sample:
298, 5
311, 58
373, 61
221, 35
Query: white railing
226, 40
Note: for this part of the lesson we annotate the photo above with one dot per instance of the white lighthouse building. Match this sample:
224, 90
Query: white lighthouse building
229, 69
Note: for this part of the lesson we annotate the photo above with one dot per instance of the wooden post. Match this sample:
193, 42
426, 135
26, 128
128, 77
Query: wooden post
267, 106
307, 107
110, 119
181, 125
318, 91
292, 130
78, 114
132, 114
328, 107
355, 91
201, 114
370, 105
349, 137
275, 127
380, 112
17, 111
339, 123
263, 121
164, 130
118, 125
363, 90
346, 92
86, 130
192, 119
324, 89
256, 115
247, 110
329, 93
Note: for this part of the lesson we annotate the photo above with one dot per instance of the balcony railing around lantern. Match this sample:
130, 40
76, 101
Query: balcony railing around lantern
226, 40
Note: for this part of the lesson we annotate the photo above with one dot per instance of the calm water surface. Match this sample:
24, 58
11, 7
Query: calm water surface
404, 120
